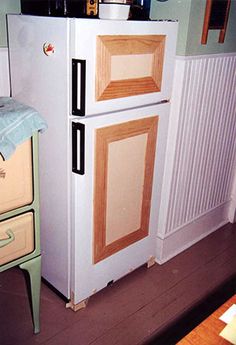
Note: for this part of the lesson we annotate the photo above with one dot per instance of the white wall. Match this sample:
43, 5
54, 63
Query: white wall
232, 207
6, 6
4, 73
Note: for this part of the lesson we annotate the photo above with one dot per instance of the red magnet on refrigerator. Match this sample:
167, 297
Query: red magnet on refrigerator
48, 49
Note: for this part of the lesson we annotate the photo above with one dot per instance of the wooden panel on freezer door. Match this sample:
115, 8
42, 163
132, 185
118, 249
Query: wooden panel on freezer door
16, 178
129, 65
123, 184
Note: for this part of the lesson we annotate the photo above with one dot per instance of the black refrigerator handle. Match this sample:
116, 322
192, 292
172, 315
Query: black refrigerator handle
78, 105
78, 148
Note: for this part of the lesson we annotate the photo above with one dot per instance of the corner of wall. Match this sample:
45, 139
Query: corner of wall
4, 73
174, 10
6, 6
194, 35
232, 206
188, 234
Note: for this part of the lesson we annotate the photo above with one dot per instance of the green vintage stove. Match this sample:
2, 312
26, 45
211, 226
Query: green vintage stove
19, 198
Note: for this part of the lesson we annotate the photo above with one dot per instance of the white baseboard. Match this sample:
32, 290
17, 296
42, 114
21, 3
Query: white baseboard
232, 207
4, 73
189, 234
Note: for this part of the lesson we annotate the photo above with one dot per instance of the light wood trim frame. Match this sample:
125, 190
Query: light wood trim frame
223, 30
206, 24
108, 46
104, 136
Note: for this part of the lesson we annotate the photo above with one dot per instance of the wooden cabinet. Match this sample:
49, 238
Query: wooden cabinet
19, 217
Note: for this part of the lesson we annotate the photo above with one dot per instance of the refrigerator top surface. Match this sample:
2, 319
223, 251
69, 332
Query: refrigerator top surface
142, 24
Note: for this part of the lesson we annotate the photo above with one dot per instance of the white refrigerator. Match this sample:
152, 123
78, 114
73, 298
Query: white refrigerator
104, 88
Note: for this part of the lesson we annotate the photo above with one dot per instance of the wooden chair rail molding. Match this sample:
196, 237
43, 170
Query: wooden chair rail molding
216, 18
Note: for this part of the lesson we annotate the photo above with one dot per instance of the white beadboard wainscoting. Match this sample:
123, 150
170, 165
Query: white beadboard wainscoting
197, 192
232, 206
4, 73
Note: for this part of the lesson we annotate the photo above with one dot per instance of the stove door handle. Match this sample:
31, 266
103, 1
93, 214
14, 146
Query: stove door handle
78, 87
78, 148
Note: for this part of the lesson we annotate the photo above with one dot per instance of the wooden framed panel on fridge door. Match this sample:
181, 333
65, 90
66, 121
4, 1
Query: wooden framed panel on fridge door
123, 184
128, 65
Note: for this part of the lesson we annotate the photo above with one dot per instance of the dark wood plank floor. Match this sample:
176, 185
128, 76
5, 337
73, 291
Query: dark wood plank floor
134, 310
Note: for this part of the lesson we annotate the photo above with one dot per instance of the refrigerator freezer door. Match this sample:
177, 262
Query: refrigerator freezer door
115, 203
99, 66
128, 64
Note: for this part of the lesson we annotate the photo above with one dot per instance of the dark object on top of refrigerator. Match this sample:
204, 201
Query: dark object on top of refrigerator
140, 10
61, 8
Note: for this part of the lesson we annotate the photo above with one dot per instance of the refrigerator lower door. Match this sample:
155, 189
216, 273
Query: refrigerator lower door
115, 201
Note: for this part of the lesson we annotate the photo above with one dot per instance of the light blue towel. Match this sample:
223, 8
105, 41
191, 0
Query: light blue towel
18, 122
